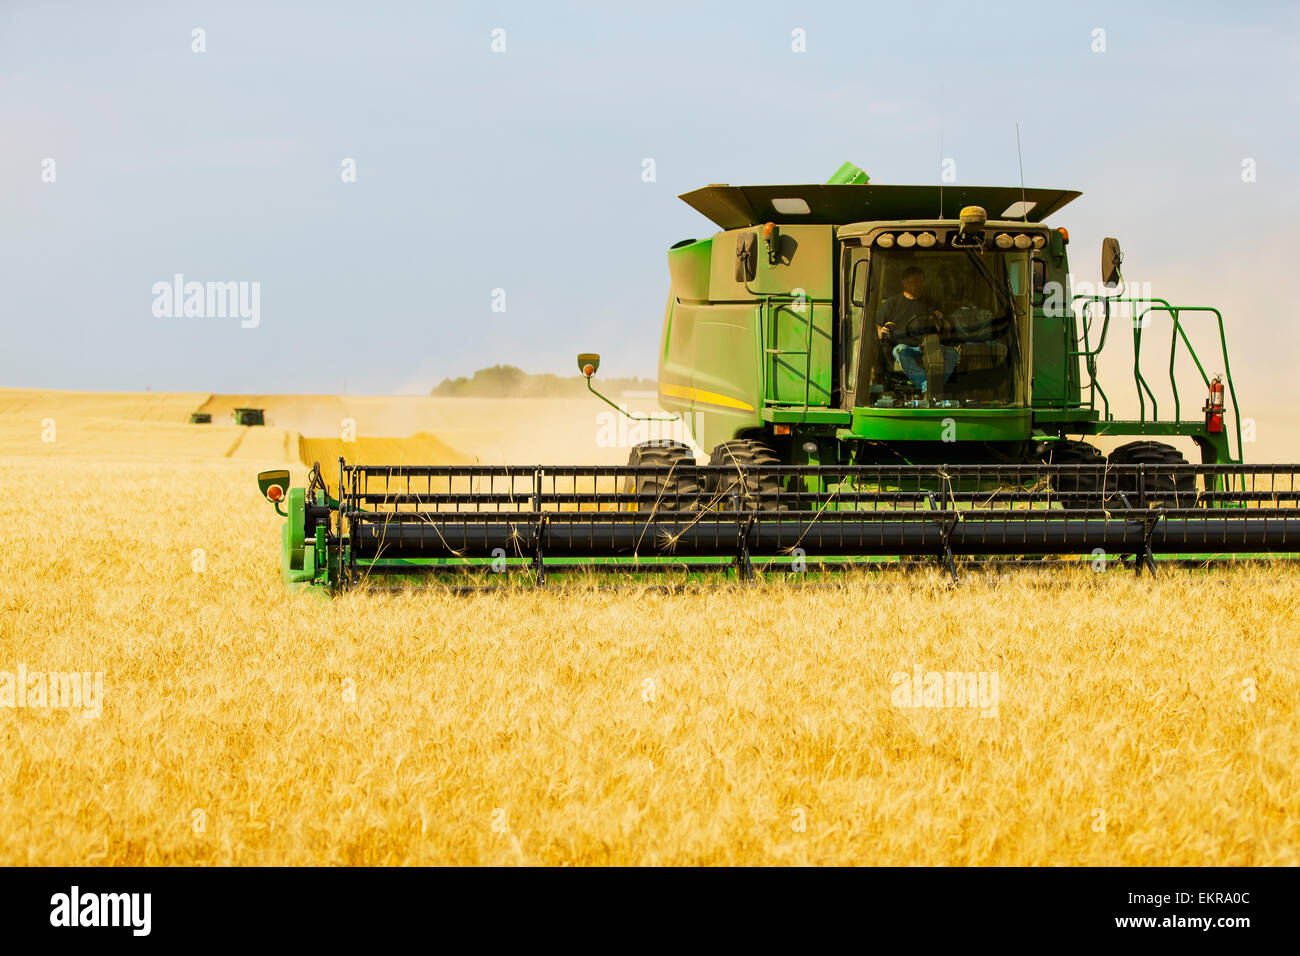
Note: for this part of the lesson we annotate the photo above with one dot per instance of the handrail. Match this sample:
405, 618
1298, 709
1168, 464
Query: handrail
1151, 304
1089, 355
1173, 346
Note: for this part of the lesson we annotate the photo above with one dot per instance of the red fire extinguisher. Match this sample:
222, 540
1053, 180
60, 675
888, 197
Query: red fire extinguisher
1214, 406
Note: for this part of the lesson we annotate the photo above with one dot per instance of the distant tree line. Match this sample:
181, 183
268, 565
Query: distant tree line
506, 381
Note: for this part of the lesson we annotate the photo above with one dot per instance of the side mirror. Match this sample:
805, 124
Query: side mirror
588, 362
1040, 279
746, 256
1111, 257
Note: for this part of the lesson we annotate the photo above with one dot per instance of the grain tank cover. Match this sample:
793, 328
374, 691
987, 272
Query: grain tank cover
734, 207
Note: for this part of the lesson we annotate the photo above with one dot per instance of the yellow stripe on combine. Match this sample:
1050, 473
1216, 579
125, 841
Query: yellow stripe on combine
700, 395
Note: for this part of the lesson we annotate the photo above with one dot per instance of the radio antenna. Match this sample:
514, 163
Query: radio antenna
1024, 207
941, 152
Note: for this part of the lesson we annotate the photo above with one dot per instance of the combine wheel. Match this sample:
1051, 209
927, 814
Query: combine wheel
1090, 484
1161, 487
675, 491
746, 460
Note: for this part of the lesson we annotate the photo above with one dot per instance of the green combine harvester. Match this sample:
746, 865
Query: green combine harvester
877, 373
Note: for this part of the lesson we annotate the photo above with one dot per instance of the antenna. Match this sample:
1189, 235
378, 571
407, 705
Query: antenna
941, 152
1024, 208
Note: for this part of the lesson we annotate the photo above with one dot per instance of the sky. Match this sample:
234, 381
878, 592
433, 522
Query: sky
517, 176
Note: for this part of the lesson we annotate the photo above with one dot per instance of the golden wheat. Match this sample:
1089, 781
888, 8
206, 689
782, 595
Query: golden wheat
1147, 722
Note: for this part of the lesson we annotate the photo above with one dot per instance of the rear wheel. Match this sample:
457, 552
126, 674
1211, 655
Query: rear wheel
747, 476
1086, 487
675, 490
1162, 486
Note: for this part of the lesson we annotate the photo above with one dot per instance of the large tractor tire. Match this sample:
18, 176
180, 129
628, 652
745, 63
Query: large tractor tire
1092, 485
746, 461
677, 490
1171, 491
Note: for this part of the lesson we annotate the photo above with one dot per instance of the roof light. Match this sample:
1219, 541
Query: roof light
885, 240
925, 240
1018, 209
1002, 240
1039, 242
1023, 241
793, 206
906, 241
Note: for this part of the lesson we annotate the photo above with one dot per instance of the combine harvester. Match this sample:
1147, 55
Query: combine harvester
877, 379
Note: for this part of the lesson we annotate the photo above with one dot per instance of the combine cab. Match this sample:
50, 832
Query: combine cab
875, 372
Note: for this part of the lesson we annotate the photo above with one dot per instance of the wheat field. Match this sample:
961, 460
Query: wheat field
1139, 722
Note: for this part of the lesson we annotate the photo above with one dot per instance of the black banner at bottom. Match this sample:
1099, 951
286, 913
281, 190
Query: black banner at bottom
333, 906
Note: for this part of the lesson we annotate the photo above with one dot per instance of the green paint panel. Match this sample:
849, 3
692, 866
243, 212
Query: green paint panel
797, 353
796, 261
941, 424
1050, 387
296, 526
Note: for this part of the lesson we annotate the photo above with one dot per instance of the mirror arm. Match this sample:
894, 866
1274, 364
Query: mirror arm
624, 412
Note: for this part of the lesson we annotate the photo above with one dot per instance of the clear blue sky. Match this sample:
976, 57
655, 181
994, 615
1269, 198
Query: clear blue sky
522, 170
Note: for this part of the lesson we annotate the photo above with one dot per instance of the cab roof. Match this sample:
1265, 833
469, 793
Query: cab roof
734, 207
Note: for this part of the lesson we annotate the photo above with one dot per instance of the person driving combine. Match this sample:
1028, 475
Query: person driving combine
905, 319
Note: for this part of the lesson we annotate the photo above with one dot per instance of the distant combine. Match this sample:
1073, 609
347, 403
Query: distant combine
879, 372
249, 416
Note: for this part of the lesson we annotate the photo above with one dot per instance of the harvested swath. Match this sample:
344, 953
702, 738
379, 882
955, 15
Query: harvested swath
420, 448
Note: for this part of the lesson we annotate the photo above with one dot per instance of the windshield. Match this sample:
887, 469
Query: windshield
941, 328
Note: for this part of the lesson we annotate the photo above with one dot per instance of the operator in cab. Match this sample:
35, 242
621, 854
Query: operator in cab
905, 319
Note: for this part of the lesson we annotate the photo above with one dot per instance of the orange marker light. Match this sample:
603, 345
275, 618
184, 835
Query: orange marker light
1065, 233
767, 229
588, 371
275, 492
